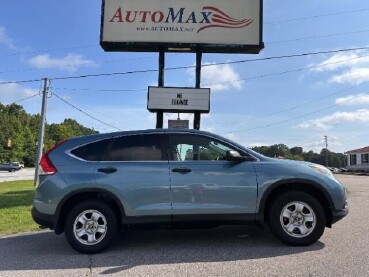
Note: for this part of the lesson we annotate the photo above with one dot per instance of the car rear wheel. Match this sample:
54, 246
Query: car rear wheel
91, 226
297, 218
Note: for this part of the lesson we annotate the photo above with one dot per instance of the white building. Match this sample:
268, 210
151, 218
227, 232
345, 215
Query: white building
358, 159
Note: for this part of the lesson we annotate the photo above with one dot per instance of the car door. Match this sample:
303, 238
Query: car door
136, 167
204, 182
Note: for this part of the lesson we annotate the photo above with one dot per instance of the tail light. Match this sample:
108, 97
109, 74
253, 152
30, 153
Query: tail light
46, 166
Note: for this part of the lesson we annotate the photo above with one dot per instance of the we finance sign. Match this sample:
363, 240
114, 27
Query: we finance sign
232, 26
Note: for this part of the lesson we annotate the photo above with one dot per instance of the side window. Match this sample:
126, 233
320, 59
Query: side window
137, 148
92, 151
197, 148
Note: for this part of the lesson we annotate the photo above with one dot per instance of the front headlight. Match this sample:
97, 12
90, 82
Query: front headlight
322, 169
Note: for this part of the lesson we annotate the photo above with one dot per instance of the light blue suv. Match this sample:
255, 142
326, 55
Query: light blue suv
91, 186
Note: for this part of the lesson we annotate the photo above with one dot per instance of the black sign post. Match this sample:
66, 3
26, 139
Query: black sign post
160, 114
197, 117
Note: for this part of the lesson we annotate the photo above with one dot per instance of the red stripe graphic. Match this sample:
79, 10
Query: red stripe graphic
231, 23
230, 20
214, 9
223, 20
222, 26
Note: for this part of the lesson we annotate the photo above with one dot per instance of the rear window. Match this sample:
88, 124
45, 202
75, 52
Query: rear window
147, 147
92, 151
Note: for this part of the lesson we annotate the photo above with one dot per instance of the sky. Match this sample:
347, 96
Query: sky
296, 101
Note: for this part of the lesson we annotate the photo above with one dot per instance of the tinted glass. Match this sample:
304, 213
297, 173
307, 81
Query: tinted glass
137, 148
194, 147
92, 151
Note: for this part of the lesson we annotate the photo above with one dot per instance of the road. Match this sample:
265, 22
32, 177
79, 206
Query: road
225, 251
23, 174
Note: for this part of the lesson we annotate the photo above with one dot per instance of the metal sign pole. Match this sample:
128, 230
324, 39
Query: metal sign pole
197, 117
160, 114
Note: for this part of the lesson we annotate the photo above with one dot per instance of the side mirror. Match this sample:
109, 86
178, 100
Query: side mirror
234, 156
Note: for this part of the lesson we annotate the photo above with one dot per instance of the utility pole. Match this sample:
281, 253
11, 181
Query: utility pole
42, 128
326, 150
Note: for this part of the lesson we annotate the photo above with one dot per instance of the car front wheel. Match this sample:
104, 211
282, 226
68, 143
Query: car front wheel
91, 226
297, 218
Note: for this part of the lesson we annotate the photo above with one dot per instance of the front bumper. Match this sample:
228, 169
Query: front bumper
339, 214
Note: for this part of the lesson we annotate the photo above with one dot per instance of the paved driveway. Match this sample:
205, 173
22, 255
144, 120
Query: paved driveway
23, 174
225, 251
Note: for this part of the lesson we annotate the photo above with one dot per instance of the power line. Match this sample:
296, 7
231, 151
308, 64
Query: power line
316, 16
213, 64
294, 118
312, 101
188, 67
225, 82
21, 81
288, 109
66, 102
141, 58
25, 98
103, 114
48, 50
112, 74
101, 90
74, 65
298, 106
293, 55
319, 36
287, 71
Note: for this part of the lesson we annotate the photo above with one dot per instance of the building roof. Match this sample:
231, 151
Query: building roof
360, 150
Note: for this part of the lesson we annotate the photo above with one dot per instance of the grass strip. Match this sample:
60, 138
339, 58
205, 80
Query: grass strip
15, 207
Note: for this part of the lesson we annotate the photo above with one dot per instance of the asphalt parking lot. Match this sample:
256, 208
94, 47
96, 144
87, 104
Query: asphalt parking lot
23, 174
225, 251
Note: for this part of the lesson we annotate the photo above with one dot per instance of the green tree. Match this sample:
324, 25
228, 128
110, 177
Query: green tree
21, 129
296, 150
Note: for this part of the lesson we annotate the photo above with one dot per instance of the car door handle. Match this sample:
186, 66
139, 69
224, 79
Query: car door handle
182, 170
107, 170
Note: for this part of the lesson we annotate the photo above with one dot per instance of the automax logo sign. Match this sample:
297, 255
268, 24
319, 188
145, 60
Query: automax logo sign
208, 17
174, 22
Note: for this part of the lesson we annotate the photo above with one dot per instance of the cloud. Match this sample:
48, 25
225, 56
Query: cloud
348, 68
353, 100
70, 62
232, 136
122, 117
327, 122
219, 77
341, 60
354, 76
10, 93
6, 40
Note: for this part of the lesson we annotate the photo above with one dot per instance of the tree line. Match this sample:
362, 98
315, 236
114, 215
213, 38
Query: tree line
325, 157
19, 134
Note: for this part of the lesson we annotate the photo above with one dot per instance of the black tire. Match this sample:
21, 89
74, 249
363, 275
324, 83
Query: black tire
100, 226
296, 218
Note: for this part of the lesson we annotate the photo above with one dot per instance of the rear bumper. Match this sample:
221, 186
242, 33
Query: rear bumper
43, 220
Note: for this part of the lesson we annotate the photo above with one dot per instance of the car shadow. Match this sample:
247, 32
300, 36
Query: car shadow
45, 250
